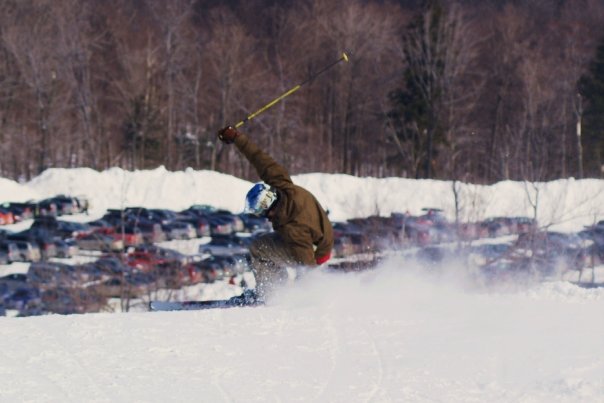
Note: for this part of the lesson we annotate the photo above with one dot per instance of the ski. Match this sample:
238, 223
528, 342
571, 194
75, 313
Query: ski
248, 298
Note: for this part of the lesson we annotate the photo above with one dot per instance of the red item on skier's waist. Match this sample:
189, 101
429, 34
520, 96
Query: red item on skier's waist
323, 259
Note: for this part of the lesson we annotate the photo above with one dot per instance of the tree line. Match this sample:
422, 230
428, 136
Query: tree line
477, 91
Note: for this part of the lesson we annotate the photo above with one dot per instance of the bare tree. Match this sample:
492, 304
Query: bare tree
137, 84
233, 68
30, 39
348, 102
9, 90
171, 20
76, 46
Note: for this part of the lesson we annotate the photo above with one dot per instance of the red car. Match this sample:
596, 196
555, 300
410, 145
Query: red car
6, 217
146, 261
130, 236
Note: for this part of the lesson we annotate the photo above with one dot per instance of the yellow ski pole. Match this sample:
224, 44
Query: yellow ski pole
291, 91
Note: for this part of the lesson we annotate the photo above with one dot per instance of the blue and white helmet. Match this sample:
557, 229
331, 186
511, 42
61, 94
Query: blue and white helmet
259, 199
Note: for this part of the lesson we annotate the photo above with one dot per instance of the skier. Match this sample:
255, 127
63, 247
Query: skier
303, 235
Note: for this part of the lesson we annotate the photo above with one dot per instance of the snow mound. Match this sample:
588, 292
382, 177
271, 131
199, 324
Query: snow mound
565, 291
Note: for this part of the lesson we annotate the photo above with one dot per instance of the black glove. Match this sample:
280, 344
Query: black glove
228, 134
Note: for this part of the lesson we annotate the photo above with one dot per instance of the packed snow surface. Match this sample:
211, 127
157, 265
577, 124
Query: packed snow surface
393, 334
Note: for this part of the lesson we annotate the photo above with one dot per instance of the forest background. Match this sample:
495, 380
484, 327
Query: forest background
479, 91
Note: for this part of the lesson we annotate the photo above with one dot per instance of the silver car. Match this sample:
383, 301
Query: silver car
226, 245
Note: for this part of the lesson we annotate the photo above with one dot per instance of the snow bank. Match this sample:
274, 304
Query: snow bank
565, 204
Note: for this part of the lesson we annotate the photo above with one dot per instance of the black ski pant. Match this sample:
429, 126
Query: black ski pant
270, 258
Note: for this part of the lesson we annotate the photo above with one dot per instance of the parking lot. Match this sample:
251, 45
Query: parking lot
56, 259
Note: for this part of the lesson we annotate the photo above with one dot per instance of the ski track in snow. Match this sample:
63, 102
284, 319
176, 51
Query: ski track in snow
332, 344
380, 373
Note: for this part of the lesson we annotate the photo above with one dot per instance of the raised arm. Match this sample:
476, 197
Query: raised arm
267, 168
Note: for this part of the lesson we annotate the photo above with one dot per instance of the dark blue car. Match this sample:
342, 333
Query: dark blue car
22, 299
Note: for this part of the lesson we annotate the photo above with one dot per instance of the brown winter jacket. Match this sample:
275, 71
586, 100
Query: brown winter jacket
299, 218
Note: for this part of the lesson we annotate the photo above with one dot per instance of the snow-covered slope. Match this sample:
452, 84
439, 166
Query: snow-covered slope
379, 336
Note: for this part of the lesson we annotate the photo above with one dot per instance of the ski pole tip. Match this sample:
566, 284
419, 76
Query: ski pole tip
345, 57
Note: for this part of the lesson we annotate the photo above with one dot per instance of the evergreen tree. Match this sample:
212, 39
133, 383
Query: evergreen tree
591, 86
416, 106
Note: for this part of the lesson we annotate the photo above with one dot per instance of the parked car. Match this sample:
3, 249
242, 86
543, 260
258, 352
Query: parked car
3, 258
129, 235
167, 254
132, 286
252, 223
67, 248
435, 215
73, 300
87, 274
112, 266
419, 231
66, 205
231, 265
100, 242
596, 236
499, 226
131, 215
37, 236
25, 299
101, 226
179, 230
205, 271
487, 253
235, 221
226, 245
12, 282
45, 275
6, 217
20, 211
64, 229
343, 247
431, 254
147, 261
220, 226
201, 209
505, 270
523, 224
566, 251
221, 222
118, 217
67, 229
164, 216
17, 278
29, 252
471, 230
200, 223
151, 232
10, 249
45, 207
